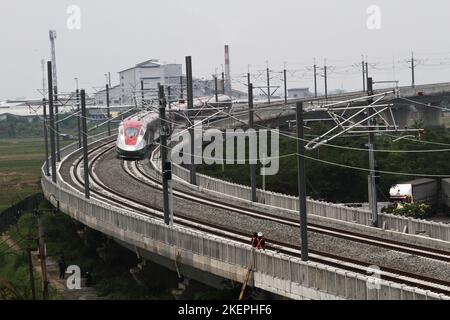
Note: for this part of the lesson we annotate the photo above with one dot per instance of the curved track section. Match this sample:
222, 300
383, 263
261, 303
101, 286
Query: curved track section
134, 170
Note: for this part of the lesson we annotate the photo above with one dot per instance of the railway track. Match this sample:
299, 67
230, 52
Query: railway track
136, 171
111, 196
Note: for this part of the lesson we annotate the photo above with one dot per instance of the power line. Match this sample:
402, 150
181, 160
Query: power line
380, 171
288, 135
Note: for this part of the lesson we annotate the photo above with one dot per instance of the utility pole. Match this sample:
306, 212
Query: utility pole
191, 122
285, 86
109, 79
301, 182
78, 117
367, 72
44, 114
52, 119
251, 125
42, 257
268, 83
165, 163
58, 153
326, 80
223, 82
412, 70
47, 166
315, 79
30, 270
85, 146
363, 74
52, 34
215, 89
228, 89
168, 96
372, 185
108, 114
142, 92
181, 87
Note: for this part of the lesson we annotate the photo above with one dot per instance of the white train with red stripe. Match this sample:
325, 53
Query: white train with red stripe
136, 135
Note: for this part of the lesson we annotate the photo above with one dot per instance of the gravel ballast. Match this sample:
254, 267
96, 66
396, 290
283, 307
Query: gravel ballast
110, 172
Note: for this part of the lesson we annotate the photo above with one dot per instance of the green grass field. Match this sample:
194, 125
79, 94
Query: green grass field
20, 165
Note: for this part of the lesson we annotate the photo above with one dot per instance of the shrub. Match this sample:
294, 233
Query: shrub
419, 210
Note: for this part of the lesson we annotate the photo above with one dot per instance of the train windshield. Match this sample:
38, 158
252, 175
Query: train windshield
131, 132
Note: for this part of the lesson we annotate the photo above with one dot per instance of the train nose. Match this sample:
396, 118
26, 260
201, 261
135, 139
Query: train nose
130, 141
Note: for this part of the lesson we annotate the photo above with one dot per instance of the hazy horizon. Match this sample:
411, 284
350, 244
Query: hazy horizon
117, 35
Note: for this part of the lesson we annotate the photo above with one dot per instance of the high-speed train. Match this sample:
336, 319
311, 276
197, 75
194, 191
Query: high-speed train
136, 135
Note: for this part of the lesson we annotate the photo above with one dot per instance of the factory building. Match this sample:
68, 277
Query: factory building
298, 93
151, 72
115, 96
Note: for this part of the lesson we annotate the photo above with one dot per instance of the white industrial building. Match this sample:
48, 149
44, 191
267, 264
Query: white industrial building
298, 93
151, 73
115, 96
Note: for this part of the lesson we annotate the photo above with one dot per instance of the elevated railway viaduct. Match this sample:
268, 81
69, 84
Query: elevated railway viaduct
209, 239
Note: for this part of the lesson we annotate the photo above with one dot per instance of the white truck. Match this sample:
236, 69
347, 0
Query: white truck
423, 189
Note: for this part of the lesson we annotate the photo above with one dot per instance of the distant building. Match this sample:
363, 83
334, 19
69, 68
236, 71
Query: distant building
298, 93
115, 96
202, 87
151, 73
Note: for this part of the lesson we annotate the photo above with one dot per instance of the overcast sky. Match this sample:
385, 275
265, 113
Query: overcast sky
118, 34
